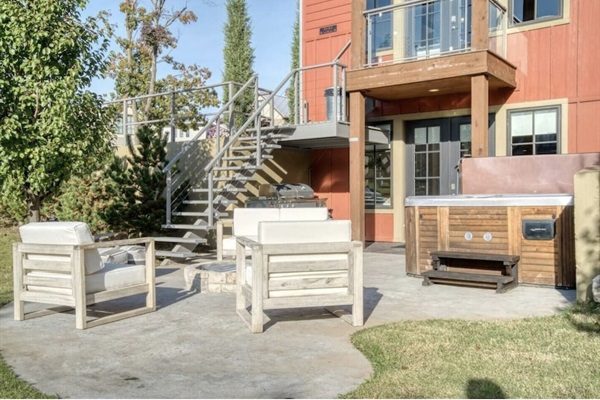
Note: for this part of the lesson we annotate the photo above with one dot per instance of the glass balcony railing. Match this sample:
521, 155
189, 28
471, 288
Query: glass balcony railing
413, 30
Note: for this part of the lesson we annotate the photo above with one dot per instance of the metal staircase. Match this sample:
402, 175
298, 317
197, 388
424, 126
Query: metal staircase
202, 188
207, 188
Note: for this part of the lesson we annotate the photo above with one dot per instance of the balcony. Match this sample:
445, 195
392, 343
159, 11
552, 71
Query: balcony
425, 48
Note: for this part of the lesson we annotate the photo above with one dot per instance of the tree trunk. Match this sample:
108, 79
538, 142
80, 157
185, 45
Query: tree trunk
34, 203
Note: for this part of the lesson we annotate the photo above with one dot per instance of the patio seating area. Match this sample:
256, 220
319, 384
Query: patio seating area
195, 345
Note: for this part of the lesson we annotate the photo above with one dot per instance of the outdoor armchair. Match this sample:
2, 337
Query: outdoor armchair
299, 264
58, 263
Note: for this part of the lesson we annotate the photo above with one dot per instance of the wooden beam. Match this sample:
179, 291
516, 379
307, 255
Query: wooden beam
480, 27
357, 165
358, 49
479, 116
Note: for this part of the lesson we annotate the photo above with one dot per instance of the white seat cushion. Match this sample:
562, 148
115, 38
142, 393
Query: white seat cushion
113, 255
304, 214
112, 276
135, 254
115, 276
245, 220
293, 232
62, 233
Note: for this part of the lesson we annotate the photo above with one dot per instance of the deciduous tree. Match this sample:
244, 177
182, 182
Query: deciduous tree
51, 126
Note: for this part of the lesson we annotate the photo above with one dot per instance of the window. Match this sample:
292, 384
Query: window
381, 25
523, 11
534, 131
378, 171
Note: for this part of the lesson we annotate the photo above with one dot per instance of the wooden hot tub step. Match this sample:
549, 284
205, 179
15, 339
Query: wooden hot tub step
501, 281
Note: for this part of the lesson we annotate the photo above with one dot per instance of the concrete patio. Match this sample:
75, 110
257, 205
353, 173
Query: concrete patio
195, 345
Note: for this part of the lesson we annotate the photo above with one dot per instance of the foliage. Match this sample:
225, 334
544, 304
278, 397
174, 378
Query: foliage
295, 50
146, 44
85, 199
238, 55
136, 186
50, 125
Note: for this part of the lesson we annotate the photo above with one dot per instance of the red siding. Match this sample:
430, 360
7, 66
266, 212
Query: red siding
379, 227
329, 178
322, 48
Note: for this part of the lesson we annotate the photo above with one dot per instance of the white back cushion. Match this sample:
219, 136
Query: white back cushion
245, 220
63, 233
330, 231
304, 214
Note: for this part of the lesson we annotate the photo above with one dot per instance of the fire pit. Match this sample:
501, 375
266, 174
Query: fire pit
211, 277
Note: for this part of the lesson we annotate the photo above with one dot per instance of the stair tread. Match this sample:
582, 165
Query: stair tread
191, 227
174, 254
176, 239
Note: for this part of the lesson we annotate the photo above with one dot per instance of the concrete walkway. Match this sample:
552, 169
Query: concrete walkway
195, 346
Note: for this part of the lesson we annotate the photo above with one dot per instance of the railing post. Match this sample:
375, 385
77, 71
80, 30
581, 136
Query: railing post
335, 93
211, 216
231, 107
218, 134
257, 123
168, 196
344, 104
369, 41
124, 126
172, 122
297, 119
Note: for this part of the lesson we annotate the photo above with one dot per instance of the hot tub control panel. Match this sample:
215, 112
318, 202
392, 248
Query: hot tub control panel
538, 229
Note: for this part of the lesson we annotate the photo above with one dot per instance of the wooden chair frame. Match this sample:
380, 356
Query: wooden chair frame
75, 268
258, 293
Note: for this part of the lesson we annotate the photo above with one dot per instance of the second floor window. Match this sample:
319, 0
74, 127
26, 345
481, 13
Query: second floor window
381, 25
526, 11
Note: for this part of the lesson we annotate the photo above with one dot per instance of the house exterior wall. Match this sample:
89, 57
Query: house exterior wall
325, 32
556, 64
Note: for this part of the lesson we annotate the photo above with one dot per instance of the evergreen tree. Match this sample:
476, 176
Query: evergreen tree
295, 50
238, 54
137, 184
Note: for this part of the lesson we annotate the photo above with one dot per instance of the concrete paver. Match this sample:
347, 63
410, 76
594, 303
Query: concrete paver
195, 345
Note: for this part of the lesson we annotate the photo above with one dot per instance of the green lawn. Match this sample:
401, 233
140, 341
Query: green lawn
11, 387
553, 357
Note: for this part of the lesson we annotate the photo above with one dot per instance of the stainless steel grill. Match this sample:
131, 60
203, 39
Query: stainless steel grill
285, 195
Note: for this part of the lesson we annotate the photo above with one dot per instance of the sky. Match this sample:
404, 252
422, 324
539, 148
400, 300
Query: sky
201, 42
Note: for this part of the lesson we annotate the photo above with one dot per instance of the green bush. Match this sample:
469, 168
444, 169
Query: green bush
85, 199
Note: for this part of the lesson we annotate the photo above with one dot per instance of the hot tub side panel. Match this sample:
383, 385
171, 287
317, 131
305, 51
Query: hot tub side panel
494, 230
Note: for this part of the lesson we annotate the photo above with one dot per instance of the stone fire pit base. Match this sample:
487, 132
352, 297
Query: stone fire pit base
211, 277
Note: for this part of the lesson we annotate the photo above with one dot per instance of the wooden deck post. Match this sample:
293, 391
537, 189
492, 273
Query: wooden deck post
357, 165
479, 116
479, 83
357, 126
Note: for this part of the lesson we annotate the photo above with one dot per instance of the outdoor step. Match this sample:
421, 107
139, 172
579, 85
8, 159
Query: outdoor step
197, 214
189, 227
233, 178
174, 239
239, 168
246, 158
269, 136
205, 202
174, 254
223, 189
253, 148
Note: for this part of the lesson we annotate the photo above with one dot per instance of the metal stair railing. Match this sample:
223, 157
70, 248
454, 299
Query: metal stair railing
168, 169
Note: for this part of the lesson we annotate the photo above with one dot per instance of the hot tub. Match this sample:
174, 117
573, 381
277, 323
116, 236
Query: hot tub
538, 228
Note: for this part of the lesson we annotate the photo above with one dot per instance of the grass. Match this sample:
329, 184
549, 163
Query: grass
11, 387
552, 357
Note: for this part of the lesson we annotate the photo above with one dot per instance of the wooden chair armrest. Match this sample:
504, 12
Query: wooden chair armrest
115, 243
247, 242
